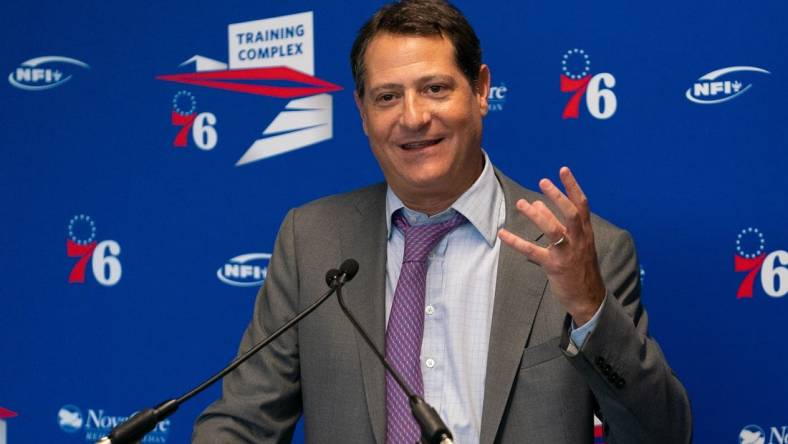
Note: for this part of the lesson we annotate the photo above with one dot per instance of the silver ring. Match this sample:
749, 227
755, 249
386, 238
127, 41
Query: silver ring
558, 242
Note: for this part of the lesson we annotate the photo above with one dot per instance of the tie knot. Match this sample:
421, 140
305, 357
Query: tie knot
421, 239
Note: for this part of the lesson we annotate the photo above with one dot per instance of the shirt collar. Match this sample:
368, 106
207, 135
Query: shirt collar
480, 204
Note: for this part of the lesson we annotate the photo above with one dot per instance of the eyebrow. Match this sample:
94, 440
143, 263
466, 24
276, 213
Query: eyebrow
420, 80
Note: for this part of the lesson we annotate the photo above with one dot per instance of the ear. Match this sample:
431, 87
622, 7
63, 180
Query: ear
362, 113
483, 89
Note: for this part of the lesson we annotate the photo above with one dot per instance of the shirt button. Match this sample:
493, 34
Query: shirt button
430, 363
430, 310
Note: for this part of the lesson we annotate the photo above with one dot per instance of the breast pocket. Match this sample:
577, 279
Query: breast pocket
543, 390
539, 354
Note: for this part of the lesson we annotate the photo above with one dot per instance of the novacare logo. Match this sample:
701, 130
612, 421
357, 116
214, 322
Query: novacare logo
69, 418
99, 424
753, 434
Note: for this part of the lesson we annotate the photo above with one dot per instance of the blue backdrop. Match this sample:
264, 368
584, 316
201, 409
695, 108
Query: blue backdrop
142, 187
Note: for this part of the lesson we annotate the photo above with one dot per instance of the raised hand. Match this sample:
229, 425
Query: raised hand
569, 260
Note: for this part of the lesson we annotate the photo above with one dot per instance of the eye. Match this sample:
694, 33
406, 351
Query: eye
437, 90
385, 98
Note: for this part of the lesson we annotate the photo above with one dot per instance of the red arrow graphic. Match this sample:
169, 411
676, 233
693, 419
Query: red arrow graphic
238, 80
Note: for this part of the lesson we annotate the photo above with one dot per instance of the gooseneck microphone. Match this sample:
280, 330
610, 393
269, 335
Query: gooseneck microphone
136, 427
433, 430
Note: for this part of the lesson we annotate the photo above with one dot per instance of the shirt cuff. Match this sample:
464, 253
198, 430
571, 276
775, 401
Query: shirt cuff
578, 335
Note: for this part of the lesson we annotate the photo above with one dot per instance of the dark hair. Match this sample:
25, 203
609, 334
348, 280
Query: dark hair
422, 18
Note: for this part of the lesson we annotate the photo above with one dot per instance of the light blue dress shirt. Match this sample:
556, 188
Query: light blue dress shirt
461, 280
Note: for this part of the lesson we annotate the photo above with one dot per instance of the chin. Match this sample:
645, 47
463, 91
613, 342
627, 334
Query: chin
427, 182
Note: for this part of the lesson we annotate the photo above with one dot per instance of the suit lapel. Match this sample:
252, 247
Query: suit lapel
365, 241
519, 288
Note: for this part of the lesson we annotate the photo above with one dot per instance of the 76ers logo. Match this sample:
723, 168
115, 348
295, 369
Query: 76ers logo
199, 125
103, 256
751, 257
576, 79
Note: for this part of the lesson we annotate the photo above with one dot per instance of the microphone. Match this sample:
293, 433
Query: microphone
433, 430
348, 270
136, 427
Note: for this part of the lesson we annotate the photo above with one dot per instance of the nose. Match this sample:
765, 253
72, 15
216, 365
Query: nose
415, 112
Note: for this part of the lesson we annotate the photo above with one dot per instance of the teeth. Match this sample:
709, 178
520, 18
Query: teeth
420, 144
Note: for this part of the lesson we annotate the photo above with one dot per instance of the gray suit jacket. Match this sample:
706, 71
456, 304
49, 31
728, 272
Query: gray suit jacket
535, 392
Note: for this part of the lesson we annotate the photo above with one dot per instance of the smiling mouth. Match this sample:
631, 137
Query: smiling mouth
420, 144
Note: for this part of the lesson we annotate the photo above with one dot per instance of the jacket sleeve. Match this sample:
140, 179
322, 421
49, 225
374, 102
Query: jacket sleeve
639, 398
261, 399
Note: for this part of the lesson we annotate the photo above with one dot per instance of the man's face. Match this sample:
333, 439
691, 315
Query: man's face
422, 116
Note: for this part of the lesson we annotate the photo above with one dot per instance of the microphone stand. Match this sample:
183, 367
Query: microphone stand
136, 427
433, 430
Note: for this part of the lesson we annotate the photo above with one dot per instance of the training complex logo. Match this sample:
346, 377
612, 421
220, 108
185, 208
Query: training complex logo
40, 73
753, 434
718, 86
98, 424
103, 256
751, 257
4, 415
271, 57
576, 78
246, 270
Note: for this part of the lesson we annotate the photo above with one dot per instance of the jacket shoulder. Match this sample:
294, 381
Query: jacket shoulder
356, 200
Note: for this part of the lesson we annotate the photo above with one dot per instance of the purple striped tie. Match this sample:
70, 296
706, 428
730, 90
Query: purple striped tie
406, 324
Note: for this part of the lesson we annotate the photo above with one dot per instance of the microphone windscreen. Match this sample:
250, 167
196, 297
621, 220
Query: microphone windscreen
331, 276
349, 267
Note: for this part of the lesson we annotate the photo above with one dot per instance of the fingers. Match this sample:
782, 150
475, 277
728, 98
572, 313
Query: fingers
543, 218
575, 226
568, 208
528, 249
573, 190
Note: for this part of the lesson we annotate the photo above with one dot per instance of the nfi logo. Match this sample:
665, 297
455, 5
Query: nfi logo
753, 434
246, 270
720, 85
45, 72
98, 424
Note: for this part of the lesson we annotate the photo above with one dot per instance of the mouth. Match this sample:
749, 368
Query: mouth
419, 144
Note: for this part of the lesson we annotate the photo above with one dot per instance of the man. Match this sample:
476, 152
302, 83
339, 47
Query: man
526, 313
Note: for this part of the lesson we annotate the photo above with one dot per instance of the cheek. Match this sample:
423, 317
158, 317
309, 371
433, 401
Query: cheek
382, 152
460, 116
378, 127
